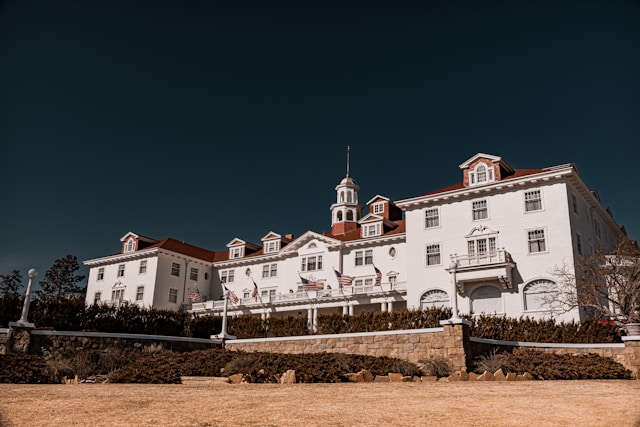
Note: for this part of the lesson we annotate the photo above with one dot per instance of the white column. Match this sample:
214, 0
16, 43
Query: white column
390, 306
383, 307
310, 318
345, 310
351, 310
454, 296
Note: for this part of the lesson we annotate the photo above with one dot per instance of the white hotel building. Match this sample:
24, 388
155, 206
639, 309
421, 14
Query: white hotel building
492, 241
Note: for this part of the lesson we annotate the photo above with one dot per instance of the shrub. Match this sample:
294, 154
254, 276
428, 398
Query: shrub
437, 366
551, 366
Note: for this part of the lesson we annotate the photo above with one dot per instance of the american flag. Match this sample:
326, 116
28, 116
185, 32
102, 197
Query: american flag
194, 295
343, 279
254, 294
232, 296
310, 285
378, 276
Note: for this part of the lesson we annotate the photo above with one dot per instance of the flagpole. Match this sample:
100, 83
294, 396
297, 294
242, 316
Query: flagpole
348, 148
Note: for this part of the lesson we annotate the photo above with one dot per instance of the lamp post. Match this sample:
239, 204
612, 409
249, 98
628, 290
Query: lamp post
27, 299
223, 335
453, 266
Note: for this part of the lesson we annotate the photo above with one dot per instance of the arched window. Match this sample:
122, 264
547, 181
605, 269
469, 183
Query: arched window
541, 295
349, 199
342, 197
339, 216
131, 245
481, 173
486, 299
349, 215
434, 298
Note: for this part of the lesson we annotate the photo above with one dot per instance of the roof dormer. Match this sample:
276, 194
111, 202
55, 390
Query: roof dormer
238, 248
483, 169
384, 207
273, 242
132, 242
374, 225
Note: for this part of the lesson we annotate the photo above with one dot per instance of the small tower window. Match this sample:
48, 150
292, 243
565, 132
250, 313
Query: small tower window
349, 197
339, 216
130, 246
349, 215
342, 197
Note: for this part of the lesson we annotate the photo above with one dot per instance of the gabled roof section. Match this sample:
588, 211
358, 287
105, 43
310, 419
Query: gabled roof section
183, 248
354, 235
370, 218
378, 198
306, 237
271, 236
138, 236
492, 158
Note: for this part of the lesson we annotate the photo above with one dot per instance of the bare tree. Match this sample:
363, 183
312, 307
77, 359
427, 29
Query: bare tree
604, 284
11, 283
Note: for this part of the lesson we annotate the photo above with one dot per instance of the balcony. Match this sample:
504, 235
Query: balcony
491, 266
302, 297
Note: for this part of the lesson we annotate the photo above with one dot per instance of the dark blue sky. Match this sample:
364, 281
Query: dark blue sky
205, 121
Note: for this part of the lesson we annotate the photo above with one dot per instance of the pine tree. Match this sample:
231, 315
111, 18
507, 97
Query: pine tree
61, 281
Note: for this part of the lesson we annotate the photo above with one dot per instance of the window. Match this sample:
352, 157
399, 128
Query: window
536, 241
100, 273
130, 246
392, 252
434, 299
364, 257
378, 208
368, 257
486, 299
271, 246
368, 281
139, 293
206, 276
579, 244
235, 252
481, 174
121, 270
480, 210
431, 218
312, 263
175, 269
117, 295
143, 267
193, 274
574, 203
532, 201
269, 270
349, 215
541, 295
96, 297
358, 282
480, 247
433, 254
227, 276
173, 295
267, 293
370, 230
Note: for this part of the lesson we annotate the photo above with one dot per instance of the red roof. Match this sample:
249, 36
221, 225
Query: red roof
185, 249
518, 173
357, 233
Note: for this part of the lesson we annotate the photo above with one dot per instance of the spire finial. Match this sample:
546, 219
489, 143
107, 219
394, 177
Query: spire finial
348, 148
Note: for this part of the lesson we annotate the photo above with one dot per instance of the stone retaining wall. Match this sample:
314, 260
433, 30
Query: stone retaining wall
626, 353
448, 341
34, 341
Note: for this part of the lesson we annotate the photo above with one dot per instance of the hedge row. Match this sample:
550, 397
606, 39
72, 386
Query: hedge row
71, 314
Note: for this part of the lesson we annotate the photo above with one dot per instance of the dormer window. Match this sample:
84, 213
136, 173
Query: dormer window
270, 247
370, 230
378, 208
236, 252
480, 175
130, 246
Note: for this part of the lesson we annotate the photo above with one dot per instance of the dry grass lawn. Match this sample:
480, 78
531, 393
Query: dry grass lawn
532, 403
